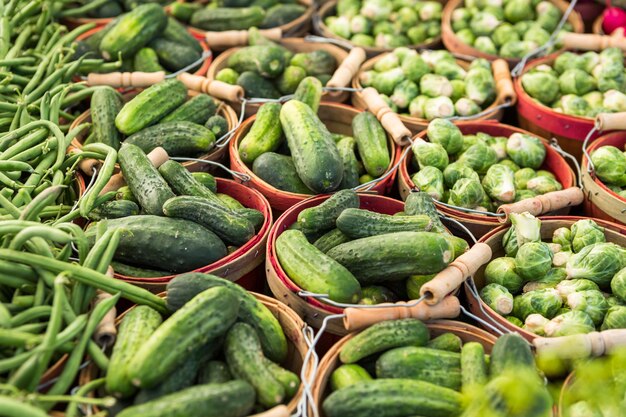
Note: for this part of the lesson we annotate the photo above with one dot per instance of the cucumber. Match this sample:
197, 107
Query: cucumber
136, 326
279, 172
318, 62
109, 9
265, 60
144, 180
265, 135
93, 42
105, 105
205, 179
460, 245
314, 271
394, 256
214, 372
251, 311
419, 202
331, 239
435, 366
358, 223
447, 341
133, 271
256, 86
218, 125
313, 150
229, 201
230, 399
133, 31
206, 317
245, 360
178, 33
173, 55
282, 14
371, 141
149, 106
197, 110
114, 210
161, 243
177, 138
146, 60
124, 193
227, 75
289, 380
289, 80
223, 18
414, 285
184, 11
384, 336
473, 366
345, 146
510, 351
397, 397
324, 216
184, 182
376, 294
347, 375
309, 91
252, 215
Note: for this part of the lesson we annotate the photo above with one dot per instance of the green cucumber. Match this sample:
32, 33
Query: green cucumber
265, 135
114, 210
245, 360
224, 18
133, 271
384, 336
144, 180
279, 172
229, 201
124, 193
218, 125
256, 86
184, 11
227, 75
282, 14
375, 294
309, 91
206, 317
173, 55
146, 60
214, 372
324, 216
265, 60
136, 326
473, 366
184, 182
419, 202
313, 150
289, 80
510, 351
253, 216
371, 140
177, 138
358, 223
460, 245
205, 179
178, 33
414, 285
105, 105
346, 147
314, 271
447, 341
347, 375
331, 239
318, 62
197, 110
289, 380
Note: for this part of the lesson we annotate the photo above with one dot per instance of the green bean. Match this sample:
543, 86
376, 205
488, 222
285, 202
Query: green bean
18, 133
79, 237
9, 206
32, 210
14, 282
77, 97
32, 314
15, 166
19, 271
25, 60
45, 85
29, 10
87, 202
23, 196
14, 408
18, 339
35, 328
19, 43
38, 76
44, 231
5, 316
44, 107
40, 293
44, 185
5, 37
36, 150
75, 33
72, 406
24, 301
34, 179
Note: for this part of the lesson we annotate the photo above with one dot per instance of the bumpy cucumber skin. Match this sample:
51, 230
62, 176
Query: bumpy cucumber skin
133, 271
218, 125
114, 210
289, 380
197, 110
146, 60
178, 33
105, 104
229, 201
173, 55
309, 91
206, 317
205, 179
350, 164
324, 216
256, 86
220, 19
419, 202
214, 372
279, 172
266, 60
347, 375
319, 62
473, 366
184, 11
177, 138
289, 80
447, 341
245, 360
184, 182
265, 135
281, 14
384, 336
358, 223
371, 140
331, 239
510, 351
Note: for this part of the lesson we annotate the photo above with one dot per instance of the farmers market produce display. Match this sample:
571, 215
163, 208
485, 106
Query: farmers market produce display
101, 9
431, 84
609, 165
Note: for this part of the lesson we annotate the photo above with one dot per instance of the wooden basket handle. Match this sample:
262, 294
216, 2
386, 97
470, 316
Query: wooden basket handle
582, 345
454, 274
390, 120
504, 82
126, 79
544, 203
590, 42
348, 68
106, 331
232, 38
611, 121
157, 157
278, 411
358, 318
213, 88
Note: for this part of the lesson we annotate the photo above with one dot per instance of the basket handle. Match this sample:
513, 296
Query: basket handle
611, 121
157, 157
590, 42
126, 79
358, 318
544, 203
454, 274
232, 38
213, 88
348, 68
504, 82
106, 331
582, 345
390, 120
278, 411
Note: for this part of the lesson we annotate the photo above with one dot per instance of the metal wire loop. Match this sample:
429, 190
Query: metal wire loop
205, 55
322, 39
367, 186
554, 143
590, 167
240, 175
488, 111
324, 298
350, 89
459, 224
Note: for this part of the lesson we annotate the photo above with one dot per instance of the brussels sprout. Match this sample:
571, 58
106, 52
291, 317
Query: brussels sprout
340, 27
434, 85
537, 35
548, 16
517, 49
486, 45
470, 140
498, 298
614, 101
466, 107
554, 247
574, 105
383, 28
414, 68
403, 53
445, 133
457, 170
618, 285
429, 180
586, 232
576, 81
541, 86
525, 150
610, 165
563, 236
568, 60
535, 323
348, 7
550, 280
614, 301
590, 60
366, 78
432, 57
467, 193
522, 176
569, 323
501, 271
514, 321
458, 90
480, 86
361, 39
479, 157
416, 107
518, 10
403, 93
438, 107
615, 318
390, 103
542, 185
387, 62
503, 34
406, 18
591, 302
522, 27
545, 68
483, 24
451, 70
514, 167
546, 302
598, 262
429, 10
480, 63
570, 286
377, 9
498, 144
524, 194
388, 40
533, 260
430, 154
499, 183
466, 36
583, 409
525, 228
460, 19
360, 25
547, 174
385, 82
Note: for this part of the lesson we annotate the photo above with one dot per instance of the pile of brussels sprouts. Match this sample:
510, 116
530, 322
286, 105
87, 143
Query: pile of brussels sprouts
386, 23
609, 164
431, 84
580, 85
575, 284
507, 28
480, 171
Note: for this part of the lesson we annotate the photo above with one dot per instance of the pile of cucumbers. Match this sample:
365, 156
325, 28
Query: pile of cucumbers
355, 255
218, 354
102, 9
265, 69
438, 377
175, 223
145, 39
160, 116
